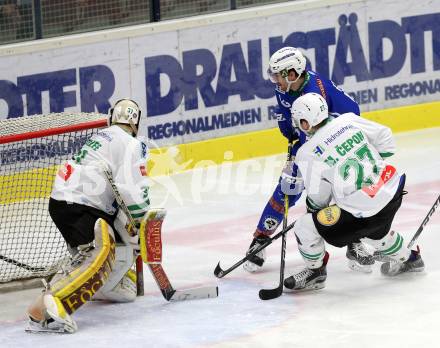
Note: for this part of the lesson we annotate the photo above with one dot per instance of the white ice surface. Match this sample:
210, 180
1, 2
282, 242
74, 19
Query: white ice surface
354, 310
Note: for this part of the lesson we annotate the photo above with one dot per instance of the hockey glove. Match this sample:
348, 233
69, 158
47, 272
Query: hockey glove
311, 206
291, 179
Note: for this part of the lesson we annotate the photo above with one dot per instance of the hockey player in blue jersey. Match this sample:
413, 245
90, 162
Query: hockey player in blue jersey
287, 69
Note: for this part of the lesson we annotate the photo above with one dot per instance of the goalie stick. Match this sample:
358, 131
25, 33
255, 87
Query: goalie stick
220, 273
159, 275
121, 203
269, 294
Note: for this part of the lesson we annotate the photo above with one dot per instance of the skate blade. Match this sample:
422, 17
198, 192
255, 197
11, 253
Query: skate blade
353, 265
316, 286
33, 329
395, 274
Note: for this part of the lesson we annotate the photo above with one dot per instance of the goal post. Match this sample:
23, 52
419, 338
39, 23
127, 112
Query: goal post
31, 149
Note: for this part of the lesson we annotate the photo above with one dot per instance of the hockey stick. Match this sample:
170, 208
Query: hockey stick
121, 203
424, 222
22, 265
378, 256
159, 275
269, 294
220, 273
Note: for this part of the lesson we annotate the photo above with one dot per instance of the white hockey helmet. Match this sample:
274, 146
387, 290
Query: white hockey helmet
126, 111
285, 59
311, 107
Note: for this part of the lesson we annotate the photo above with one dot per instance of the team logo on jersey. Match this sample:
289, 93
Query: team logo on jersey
270, 223
280, 117
285, 103
278, 89
318, 150
329, 216
143, 170
144, 149
65, 171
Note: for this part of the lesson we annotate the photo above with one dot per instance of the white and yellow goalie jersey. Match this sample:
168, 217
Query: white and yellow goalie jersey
344, 162
82, 180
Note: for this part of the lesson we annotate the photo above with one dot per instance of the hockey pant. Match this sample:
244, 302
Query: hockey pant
338, 227
312, 249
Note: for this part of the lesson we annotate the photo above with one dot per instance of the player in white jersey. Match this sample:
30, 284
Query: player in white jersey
352, 192
82, 206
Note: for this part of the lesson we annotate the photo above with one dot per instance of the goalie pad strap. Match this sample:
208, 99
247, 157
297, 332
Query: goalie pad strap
79, 285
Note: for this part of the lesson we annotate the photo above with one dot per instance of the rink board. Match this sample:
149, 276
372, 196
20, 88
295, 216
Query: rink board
204, 77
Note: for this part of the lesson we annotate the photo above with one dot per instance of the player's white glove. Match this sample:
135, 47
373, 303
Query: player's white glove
291, 179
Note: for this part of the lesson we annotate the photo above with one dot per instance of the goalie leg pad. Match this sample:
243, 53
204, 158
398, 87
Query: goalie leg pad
121, 284
90, 269
310, 244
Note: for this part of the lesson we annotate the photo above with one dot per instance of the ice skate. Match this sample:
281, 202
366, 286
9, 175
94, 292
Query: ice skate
413, 264
52, 318
308, 278
256, 262
359, 259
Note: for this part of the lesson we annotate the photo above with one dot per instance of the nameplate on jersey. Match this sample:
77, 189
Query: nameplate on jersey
386, 175
329, 216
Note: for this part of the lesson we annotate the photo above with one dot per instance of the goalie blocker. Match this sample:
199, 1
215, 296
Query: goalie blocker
150, 242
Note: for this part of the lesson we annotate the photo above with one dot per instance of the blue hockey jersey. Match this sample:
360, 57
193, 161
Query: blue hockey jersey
338, 103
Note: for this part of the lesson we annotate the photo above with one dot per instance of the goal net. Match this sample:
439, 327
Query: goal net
31, 149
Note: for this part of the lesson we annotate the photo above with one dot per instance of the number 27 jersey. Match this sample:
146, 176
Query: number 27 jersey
344, 162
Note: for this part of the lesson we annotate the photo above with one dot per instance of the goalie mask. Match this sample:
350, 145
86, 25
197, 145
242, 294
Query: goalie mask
126, 111
310, 107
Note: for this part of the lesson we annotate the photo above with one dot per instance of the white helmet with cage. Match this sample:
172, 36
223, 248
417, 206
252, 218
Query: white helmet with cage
311, 107
126, 111
284, 60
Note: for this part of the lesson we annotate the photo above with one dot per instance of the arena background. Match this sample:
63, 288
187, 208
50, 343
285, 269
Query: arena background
201, 80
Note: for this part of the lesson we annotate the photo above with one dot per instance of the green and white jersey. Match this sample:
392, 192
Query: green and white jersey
344, 162
82, 180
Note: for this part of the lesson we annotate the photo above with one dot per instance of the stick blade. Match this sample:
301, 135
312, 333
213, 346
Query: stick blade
270, 294
218, 272
195, 293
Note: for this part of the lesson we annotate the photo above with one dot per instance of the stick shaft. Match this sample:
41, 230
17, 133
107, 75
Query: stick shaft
222, 273
424, 222
121, 203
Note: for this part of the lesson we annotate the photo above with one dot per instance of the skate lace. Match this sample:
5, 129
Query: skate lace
360, 251
76, 260
302, 276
